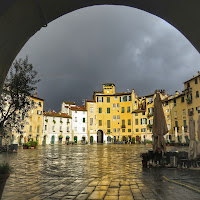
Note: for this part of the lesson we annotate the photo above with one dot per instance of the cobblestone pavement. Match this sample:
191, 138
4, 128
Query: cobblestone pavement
92, 172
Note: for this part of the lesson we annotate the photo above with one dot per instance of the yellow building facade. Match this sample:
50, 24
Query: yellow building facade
112, 115
32, 124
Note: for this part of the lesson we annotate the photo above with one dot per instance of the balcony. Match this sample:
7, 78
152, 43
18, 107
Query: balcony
123, 126
187, 90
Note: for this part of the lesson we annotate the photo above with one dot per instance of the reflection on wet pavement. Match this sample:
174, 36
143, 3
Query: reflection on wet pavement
91, 172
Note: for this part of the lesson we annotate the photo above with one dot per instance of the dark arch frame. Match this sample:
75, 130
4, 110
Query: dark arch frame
21, 19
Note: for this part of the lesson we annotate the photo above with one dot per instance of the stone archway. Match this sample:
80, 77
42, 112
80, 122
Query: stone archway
21, 19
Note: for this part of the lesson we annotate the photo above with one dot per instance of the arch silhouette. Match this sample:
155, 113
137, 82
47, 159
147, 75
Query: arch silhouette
21, 19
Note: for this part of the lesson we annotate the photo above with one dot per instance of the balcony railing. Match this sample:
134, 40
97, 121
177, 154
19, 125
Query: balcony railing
123, 126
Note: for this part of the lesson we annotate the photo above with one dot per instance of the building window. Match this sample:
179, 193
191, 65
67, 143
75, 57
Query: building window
136, 130
53, 128
107, 91
168, 127
100, 110
130, 98
197, 94
166, 103
30, 130
123, 122
91, 109
175, 113
184, 113
143, 129
143, 113
118, 130
108, 99
188, 84
40, 104
75, 128
113, 105
184, 123
136, 114
83, 129
118, 117
176, 123
60, 128
115, 97
45, 127
100, 99
31, 111
123, 130
174, 102
114, 117
67, 129
108, 130
128, 109
136, 121
167, 110
151, 121
75, 119
100, 122
122, 109
91, 121
196, 81
167, 116
129, 130
182, 99
91, 130
83, 120
108, 110
108, 123
114, 130
125, 98
129, 121
143, 121
118, 106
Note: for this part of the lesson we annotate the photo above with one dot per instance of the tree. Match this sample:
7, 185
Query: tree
15, 102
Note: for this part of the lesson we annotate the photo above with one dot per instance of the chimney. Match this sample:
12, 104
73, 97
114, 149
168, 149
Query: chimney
35, 94
177, 93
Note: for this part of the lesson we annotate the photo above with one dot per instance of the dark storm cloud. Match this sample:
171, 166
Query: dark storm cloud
78, 52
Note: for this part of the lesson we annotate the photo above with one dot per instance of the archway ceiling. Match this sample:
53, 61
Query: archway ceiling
21, 19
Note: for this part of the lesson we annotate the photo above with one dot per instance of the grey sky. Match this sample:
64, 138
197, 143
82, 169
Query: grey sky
78, 52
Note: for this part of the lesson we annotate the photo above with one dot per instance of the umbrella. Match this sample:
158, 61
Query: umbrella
198, 134
159, 126
192, 153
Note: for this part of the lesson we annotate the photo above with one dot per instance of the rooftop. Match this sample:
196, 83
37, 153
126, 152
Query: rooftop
55, 114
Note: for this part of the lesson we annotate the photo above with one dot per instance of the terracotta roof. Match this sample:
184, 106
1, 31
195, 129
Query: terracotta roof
70, 103
122, 93
37, 98
54, 114
91, 101
172, 98
78, 108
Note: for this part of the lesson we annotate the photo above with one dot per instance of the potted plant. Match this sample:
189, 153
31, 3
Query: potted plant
25, 146
5, 171
133, 140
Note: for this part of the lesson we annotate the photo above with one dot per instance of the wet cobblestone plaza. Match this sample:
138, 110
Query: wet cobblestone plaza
93, 172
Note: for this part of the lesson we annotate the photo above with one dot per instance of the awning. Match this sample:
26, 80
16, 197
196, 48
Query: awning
60, 136
67, 137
